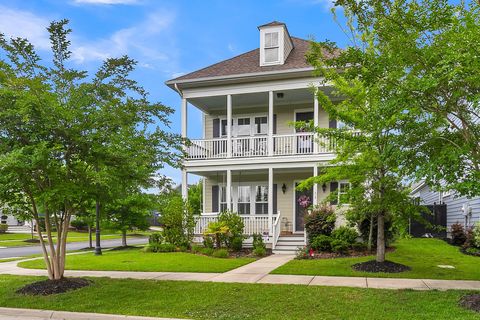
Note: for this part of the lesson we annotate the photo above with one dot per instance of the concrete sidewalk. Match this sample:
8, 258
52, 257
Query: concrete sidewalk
258, 272
32, 314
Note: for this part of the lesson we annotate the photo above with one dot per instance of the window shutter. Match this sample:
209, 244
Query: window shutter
333, 189
274, 124
215, 199
332, 124
274, 199
216, 128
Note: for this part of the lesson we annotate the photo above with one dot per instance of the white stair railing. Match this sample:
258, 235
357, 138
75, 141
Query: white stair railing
276, 230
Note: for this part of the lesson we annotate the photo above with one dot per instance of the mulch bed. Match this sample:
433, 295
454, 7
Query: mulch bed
349, 254
32, 241
247, 253
49, 287
471, 302
386, 266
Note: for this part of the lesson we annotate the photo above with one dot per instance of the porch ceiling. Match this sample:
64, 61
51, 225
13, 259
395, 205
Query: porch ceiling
260, 174
258, 99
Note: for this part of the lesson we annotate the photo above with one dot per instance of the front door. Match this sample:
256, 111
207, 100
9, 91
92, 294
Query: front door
300, 211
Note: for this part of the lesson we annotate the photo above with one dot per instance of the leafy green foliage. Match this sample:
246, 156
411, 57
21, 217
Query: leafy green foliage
221, 253
258, 242
217, 230
347, 234
320, 221
234, 237
155, 237
3, 228
178, 222
260, 251
195, 193
322, 242
340, 246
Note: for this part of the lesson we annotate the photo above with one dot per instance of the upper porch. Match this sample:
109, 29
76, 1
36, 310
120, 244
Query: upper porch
257, 122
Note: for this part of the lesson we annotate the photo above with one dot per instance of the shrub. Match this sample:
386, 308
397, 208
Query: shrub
260, 252
155, 238
302, 253
320, 221
469, 238
196, 249
349, 235
208, 241
217, 230
160, 247
79, 224
340, 246
359, 246
207, 251
178, 222
258, 242
220, 253
321, 243
147, 249
476, 234
236, 244
235, 229
3, 228
457, 232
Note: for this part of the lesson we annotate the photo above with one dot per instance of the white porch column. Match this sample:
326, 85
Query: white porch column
315, 119
315, 187
270, 200
184, 184
228, 192
229, 125
270, 123
184, 118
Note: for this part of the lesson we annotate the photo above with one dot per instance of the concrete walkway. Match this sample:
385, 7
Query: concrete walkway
32, 314
258, 272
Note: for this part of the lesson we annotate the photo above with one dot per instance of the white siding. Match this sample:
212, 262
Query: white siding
287, 47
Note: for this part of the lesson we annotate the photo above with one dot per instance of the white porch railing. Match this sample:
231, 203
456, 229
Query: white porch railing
257, 146
251, 146
276, 230
253, 224
207, 149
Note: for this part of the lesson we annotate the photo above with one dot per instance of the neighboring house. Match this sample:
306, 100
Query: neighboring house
251, 157
460, 209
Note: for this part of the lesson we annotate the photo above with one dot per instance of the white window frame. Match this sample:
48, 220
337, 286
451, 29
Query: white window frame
235, 125
234, 195
263, 202
237, 203
270, 47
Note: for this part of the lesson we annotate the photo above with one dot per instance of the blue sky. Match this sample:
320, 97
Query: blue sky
167, 38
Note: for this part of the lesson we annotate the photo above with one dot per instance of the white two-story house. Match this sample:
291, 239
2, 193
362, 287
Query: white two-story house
251, 157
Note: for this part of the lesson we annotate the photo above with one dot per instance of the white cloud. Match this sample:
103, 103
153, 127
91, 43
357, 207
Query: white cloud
150, 39
106, 2
24, 24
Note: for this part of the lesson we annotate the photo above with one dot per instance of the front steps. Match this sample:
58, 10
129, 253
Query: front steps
289, 244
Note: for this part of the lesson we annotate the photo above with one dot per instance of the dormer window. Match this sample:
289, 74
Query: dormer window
275, 43
271, 47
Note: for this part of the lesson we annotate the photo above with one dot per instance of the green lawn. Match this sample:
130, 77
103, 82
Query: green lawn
136, 260
422, 255
206, 300
18, 239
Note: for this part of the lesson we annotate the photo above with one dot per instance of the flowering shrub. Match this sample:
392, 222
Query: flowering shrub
304, 201
320, 221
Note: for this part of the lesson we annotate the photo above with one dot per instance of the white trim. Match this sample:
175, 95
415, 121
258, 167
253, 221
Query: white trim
229, 190
259, 162
229, 126
245, 88
270, 198
184, 185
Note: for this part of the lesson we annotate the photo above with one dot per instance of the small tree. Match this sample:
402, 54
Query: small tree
178, 222
129, 213
195, 193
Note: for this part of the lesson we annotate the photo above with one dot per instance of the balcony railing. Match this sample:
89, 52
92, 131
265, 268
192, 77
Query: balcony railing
257, 146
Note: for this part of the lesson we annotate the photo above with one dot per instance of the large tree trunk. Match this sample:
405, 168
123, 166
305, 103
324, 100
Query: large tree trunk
381, 237
90, 240
124, 238
370, 234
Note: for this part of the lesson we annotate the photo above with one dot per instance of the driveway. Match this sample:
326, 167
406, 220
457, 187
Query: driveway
30, 250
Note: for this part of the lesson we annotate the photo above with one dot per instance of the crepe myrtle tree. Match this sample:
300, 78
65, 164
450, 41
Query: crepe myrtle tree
65, 137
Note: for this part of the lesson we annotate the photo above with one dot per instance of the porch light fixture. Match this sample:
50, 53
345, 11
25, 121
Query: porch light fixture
284, 188
324, 187
279, 95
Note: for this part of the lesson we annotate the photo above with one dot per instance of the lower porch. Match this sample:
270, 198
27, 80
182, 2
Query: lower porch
265, 199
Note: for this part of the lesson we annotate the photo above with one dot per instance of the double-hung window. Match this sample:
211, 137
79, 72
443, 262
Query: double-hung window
223, 198
243, 203
261, 125
243, 126
343, 188
261, 200
271, 47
